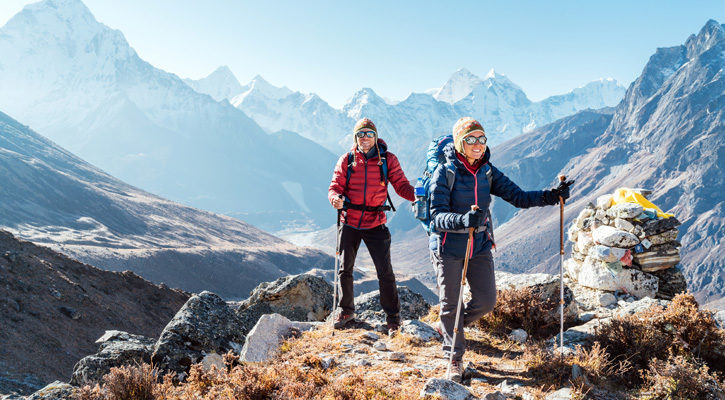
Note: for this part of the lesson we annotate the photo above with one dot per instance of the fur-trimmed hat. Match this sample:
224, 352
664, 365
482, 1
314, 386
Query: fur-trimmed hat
462, 128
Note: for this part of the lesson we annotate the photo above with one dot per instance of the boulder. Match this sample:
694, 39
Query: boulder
205, 324
664, 237
637, 283
298, 297
54, 391
625, 210
267, 335
412, 305
117, 349
657, 259
671, 282
546, 286
613, 237
419, 332
445, 389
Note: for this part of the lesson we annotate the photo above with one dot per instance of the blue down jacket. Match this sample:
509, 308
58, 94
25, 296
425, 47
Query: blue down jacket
447, 205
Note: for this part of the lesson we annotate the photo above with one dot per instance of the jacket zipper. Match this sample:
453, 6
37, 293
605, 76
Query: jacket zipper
365, 190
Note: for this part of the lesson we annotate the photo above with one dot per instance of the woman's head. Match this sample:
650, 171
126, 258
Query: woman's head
469, 138
365, 134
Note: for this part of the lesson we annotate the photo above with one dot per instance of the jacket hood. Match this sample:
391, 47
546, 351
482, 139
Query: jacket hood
450, 152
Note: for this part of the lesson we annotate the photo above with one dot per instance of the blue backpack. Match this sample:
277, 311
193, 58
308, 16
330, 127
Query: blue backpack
434, 157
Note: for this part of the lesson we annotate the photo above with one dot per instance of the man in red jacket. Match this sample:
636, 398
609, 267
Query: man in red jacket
360, 180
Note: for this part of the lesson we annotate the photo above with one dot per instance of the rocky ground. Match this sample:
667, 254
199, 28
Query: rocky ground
53, 308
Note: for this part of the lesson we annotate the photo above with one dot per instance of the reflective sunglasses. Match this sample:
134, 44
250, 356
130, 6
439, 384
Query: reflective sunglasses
369, 134
471, 140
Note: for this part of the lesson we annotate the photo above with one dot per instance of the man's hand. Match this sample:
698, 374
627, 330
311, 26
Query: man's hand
337, 202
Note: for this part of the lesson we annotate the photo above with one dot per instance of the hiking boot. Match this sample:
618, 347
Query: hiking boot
393, 329
457, 371
343, 319
438, 328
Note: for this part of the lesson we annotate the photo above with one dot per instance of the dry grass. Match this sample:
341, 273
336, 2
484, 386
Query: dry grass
625, 362
679, 329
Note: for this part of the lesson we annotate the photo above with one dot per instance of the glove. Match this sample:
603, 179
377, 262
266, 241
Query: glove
473, 219
551, 197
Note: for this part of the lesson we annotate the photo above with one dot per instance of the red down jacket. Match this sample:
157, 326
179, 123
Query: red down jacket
365, 187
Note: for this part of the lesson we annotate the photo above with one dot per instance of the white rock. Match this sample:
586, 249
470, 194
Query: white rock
573, 267
371, 335
380, 346
519, 336
637, 283
606, 253
607, 299
604, 202
436, 388
594, 274
626, 210
585, 213
584, 242
572, 233
614, 237
265, 338
561, 394
623, 224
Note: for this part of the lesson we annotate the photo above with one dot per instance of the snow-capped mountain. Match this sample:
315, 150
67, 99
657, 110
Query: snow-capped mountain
458, 86
53, 198
83, 86
501, 106
220, 85
667, 135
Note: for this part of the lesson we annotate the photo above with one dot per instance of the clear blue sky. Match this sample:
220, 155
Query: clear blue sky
334, 48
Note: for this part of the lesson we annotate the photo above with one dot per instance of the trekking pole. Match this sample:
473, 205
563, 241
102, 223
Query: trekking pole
460, 294
562, 178
337, 260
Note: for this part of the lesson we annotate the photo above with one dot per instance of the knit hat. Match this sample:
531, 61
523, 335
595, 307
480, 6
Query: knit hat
365, 123
463, 128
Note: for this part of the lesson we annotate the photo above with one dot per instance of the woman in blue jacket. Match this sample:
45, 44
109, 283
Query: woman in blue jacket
452, 216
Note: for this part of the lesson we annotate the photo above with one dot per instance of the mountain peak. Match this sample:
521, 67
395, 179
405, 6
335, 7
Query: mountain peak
710, 35
458, 86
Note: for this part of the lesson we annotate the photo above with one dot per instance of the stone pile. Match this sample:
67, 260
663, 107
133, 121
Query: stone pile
626, 248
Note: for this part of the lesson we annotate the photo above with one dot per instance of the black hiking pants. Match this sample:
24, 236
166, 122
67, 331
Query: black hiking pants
377, 240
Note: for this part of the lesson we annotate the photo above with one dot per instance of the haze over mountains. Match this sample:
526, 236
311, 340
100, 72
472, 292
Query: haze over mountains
82, 85
52, 197
667, 135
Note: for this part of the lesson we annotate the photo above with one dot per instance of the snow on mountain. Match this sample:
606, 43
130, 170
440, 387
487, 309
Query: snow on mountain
83, 86
220, 85
53, 198
500, 105
458, 86
666, 135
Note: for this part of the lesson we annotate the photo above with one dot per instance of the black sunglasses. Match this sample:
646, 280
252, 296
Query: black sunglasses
471, 140
360, 134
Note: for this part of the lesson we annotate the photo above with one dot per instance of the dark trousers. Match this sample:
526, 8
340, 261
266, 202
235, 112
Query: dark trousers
377, 241
482, 283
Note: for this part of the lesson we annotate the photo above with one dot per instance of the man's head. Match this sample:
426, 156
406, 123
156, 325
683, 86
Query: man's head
365, 134
465, 126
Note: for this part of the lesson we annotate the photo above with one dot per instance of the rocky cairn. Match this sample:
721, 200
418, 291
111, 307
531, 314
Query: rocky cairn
625, 248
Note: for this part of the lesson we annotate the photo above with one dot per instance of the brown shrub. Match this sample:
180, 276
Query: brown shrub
680, 378
679, 329
520, 308
124, 383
